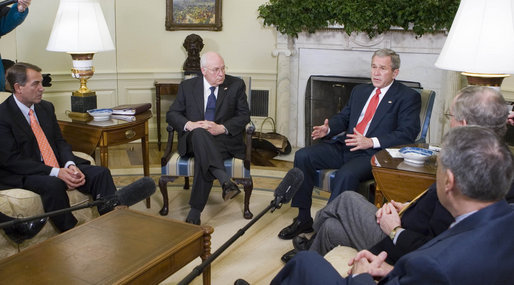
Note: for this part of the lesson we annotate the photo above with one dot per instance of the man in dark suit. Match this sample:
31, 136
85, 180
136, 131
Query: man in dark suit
210, 114
475, 171
350, 220
366, 131
47, 168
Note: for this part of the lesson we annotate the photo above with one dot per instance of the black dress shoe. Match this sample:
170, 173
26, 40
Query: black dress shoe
289, 255
193, 221
296, 228
23, 231
302, 243
230, 190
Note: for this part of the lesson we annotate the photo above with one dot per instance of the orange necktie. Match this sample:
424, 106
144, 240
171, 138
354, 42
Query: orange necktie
370, 111
44, 147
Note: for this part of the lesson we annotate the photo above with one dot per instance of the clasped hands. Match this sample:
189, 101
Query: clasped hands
357, 140
72, 176
213, 128
375, 265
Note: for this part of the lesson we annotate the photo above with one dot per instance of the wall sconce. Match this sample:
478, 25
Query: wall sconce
480, 43
80, 30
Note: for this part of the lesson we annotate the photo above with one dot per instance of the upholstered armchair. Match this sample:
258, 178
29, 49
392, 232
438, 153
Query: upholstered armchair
19, 202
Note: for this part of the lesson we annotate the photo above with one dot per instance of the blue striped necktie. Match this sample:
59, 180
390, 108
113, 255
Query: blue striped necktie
211, 105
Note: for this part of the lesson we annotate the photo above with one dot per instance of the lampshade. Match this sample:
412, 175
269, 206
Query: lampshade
80, 27
481, 39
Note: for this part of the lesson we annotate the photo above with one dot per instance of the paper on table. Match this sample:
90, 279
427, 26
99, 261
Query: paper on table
394, 152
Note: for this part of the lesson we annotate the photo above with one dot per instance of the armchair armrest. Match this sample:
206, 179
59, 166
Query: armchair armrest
250, 129
169, 145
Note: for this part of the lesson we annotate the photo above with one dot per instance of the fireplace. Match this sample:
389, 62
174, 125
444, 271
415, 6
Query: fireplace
334, 54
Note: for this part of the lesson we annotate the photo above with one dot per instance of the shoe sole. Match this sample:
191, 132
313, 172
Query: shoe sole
309, 230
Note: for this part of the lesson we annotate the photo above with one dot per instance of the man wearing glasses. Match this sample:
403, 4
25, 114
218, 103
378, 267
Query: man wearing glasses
210, 114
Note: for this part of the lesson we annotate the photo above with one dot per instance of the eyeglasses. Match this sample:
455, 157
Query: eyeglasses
217, 69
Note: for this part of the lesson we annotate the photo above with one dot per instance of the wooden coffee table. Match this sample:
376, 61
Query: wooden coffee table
121, 247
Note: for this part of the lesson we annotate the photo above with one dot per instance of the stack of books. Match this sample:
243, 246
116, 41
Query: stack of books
128, 112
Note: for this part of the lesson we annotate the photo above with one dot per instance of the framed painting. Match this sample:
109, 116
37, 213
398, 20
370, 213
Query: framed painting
193, 15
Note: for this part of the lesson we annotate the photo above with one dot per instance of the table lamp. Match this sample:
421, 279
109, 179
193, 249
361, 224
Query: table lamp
480, 43
80, 30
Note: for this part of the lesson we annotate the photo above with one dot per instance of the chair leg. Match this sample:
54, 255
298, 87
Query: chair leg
248, 188
186, 182
163, 181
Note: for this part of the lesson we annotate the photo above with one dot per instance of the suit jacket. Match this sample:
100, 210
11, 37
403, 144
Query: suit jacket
232, 111
8, 22
19, 151
422, 221
478, 250
396, 119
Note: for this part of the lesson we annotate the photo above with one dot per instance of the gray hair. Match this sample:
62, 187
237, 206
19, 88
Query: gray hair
480, 161
482, 106
395, 58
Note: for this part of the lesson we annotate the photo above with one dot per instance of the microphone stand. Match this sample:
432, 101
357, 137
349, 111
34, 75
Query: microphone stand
199, 269
52, 213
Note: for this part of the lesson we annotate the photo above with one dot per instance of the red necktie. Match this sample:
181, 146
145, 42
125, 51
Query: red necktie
44, 147
370, 111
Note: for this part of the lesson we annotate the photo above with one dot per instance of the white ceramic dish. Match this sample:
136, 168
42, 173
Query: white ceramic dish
415, 155
100, 114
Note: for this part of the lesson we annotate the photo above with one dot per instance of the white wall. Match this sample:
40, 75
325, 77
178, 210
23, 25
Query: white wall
145, 51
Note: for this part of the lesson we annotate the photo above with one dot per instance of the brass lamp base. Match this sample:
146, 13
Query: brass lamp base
81, 117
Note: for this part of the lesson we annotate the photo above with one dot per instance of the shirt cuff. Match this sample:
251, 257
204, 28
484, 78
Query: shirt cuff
69, 163
226, 131
397, 235
54, 172
376, 143
185, 126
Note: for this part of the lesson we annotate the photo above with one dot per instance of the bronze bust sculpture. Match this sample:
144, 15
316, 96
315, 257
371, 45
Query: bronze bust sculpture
193, 44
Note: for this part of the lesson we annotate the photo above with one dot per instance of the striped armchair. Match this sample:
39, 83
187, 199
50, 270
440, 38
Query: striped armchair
174, 166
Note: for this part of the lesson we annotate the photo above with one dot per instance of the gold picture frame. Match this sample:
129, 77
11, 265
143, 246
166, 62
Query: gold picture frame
193, 15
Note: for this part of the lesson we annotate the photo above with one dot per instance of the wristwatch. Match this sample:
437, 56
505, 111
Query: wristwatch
393, 232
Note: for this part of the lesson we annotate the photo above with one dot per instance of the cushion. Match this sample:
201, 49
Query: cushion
339, 258
184, 166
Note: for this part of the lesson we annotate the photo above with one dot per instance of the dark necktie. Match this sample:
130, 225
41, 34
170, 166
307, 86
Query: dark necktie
211, 105
370, 111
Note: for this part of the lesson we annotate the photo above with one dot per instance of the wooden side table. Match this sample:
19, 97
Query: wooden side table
86, 136
399, 181
163, 87
121, 247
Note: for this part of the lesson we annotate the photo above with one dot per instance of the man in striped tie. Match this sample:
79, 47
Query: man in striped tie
35, 156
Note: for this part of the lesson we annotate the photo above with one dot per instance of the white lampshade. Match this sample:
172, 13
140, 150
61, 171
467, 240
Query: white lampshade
80, 27
481, 39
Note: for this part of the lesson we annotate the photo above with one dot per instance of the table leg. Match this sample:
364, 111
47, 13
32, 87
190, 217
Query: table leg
207, 231
158, 107
104, 155
146, 159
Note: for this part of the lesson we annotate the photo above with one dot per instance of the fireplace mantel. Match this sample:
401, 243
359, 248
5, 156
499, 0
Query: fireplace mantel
333, 52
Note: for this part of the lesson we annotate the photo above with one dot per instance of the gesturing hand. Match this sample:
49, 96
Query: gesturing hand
358, 141
320, 131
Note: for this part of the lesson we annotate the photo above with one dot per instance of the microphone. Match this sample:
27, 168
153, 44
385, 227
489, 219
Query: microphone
126, 196
8, 2
283, 194
287, 188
